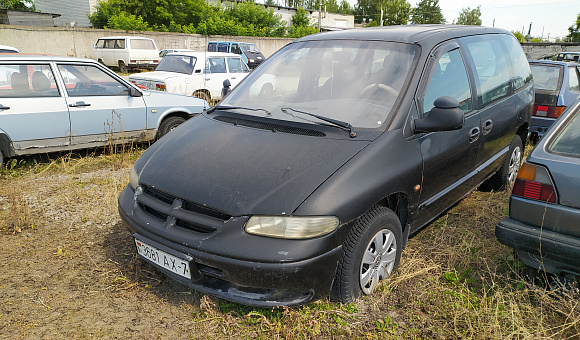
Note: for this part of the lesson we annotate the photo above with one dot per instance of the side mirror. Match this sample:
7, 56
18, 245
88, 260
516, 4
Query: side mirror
133, 92
226, 89
445, 116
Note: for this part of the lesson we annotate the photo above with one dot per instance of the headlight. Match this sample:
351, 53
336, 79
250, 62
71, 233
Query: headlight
133, 178
291, 227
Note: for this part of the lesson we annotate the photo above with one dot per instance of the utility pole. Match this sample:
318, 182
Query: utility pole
529, 33
319, 15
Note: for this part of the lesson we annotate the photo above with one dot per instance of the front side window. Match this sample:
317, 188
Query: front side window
212, 47
567, 139
353, 81
177, 63
449, 78
21, 80
236, 49
547, 77
237, 65
100, 43
492, 67
215, 65
86, 80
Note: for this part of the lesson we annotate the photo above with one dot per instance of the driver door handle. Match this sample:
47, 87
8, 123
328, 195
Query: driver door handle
2, 107
474, 134
79, 104
487, 126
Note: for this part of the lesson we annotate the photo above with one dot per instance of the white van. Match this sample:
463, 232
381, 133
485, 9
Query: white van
126, 52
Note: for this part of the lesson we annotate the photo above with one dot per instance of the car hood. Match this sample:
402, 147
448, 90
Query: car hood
173, 102
241, 170
156, 76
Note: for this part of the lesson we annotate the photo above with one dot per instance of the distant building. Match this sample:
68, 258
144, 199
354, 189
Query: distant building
73, 13
328, 21
12, 17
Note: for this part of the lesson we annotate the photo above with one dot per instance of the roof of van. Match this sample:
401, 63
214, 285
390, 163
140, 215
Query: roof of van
125, 37
419, 34
204, 53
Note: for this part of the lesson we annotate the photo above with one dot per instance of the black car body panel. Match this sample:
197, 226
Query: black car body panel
195, 191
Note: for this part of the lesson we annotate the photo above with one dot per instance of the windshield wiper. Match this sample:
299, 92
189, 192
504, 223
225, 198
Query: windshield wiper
335, 122
221, 107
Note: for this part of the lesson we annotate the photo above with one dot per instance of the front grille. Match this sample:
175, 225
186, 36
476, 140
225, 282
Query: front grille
181, 213
270, 126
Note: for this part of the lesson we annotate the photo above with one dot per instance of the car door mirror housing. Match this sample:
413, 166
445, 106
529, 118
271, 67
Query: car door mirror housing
133, 92
444, 116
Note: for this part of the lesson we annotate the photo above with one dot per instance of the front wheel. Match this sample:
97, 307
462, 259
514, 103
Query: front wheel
371, 252
168, 125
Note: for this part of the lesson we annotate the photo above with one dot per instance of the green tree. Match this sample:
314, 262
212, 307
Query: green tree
19, 5
469, 16
128, 22
301, 25
427, 12
395, 12
574, 31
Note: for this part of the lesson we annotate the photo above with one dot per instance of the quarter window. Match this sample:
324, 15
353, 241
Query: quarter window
84, 80
449, 79
573, 79
566, 141
18, 80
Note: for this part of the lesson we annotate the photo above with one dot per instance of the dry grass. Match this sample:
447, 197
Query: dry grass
59, 220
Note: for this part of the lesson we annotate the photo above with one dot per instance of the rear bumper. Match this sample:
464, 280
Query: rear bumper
548, 250
540, 125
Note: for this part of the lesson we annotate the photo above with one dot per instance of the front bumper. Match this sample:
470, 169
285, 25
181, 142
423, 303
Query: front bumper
543, 249
229, 263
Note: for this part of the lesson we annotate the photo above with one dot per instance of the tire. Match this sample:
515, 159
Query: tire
362, 263
505, 177
169, 124
101, 62
1, 160
122, 67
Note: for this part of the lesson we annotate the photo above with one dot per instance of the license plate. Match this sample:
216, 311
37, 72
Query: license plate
541, 113
162, 259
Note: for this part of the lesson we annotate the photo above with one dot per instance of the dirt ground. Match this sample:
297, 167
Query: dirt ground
72, 274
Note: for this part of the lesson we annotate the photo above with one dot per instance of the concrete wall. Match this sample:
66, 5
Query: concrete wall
78, 42
537, 50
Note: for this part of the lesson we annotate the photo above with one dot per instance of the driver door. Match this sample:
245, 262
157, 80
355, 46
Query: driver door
449, 157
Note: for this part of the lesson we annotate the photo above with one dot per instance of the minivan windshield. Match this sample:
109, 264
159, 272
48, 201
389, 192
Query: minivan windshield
249, 48
177, 63
356, 82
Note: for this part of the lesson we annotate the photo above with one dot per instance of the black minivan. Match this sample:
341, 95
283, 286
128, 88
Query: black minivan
309, 177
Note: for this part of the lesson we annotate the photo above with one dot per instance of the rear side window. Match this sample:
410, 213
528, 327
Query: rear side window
573, 79
567, 140
449, 78
22, 81
142, 44
222, 47
215, 65
547, 77
492, 67
521, 75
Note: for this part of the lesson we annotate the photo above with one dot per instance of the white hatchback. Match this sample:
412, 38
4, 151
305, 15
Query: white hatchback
199, 74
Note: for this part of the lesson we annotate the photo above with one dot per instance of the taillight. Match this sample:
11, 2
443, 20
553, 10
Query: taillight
534, 182
548, 111
142, 87
133, 61
160, 87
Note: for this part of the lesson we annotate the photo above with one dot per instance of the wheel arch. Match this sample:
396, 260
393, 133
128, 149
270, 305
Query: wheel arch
6, 145
175, 113
398, 202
